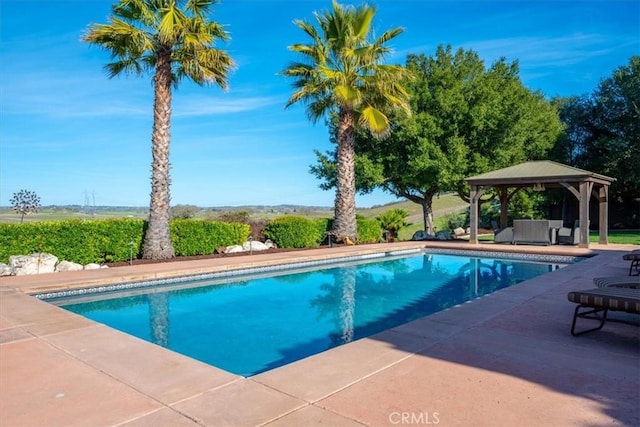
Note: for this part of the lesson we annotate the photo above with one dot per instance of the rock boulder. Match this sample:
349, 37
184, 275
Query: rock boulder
68, 266
37, 263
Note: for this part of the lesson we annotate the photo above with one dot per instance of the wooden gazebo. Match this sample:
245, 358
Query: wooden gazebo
541, 175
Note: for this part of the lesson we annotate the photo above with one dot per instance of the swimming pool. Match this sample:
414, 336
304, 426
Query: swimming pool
247, 324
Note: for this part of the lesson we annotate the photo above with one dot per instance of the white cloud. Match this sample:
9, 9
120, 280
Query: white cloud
540, 51
204, 105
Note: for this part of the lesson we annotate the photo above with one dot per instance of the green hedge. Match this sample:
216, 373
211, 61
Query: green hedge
73, 240
369, 230
296, 231
198, 237
300, 232
112, 240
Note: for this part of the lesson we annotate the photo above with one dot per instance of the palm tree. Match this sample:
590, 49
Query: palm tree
342, 77
173, 39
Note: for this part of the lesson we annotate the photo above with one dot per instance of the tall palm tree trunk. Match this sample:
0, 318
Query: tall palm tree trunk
157, 239
344, 224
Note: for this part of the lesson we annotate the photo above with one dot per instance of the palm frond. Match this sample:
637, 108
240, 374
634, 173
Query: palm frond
138, 11
387, 35
310, 30
129, 66
297, 69
204, 66
199, 7
341, 68
313, 52
362, 22
171, 25
375, 121
140, 30
319, 108
347, 95
215, 31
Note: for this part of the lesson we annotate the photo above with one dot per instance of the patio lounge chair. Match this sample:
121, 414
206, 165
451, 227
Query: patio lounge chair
634, 257
569, 236
596, 303
617, 281
554, 226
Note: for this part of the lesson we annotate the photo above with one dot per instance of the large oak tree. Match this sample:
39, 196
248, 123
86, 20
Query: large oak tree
602, 134
466, 119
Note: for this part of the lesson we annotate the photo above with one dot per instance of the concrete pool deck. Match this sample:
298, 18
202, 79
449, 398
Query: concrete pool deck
506, 359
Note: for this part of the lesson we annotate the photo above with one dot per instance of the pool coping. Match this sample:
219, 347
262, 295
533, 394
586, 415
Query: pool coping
343, 386
43, 283
242, 273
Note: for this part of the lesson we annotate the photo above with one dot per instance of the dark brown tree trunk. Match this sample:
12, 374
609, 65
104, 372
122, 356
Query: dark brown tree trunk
157, 239
344, 224
427, 216
426, 201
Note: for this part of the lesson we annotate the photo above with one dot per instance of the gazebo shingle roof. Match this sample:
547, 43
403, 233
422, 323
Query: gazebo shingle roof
537, 171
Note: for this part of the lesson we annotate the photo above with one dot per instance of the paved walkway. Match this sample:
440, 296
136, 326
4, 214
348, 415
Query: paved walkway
506, 359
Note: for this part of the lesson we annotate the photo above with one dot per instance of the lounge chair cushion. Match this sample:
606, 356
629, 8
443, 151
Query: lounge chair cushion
612, 298
617, 281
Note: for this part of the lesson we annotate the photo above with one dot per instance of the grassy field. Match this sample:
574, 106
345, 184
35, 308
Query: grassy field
59, 214
442, 205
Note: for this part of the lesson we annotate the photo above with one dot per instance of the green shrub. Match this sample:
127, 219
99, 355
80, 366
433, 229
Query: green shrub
369, 230
242, 216
112, 240
77, 241
456, 220
199, 237
184, 211
20, 239
256, 225
393, 220
296, 231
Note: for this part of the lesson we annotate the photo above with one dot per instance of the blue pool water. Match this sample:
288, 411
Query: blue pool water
258, 323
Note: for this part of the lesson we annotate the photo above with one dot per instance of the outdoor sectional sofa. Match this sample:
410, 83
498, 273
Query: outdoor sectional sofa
531, 232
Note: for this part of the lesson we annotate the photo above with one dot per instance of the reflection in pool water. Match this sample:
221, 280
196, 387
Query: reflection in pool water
256, 324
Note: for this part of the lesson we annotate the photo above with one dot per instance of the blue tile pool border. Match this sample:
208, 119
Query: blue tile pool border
150, 283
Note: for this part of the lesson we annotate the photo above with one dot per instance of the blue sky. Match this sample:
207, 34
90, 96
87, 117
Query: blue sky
71, 134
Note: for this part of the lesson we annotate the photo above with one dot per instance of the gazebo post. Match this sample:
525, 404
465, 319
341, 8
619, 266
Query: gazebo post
585, 195
603, 219
504, 206
475, 194
473, 215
